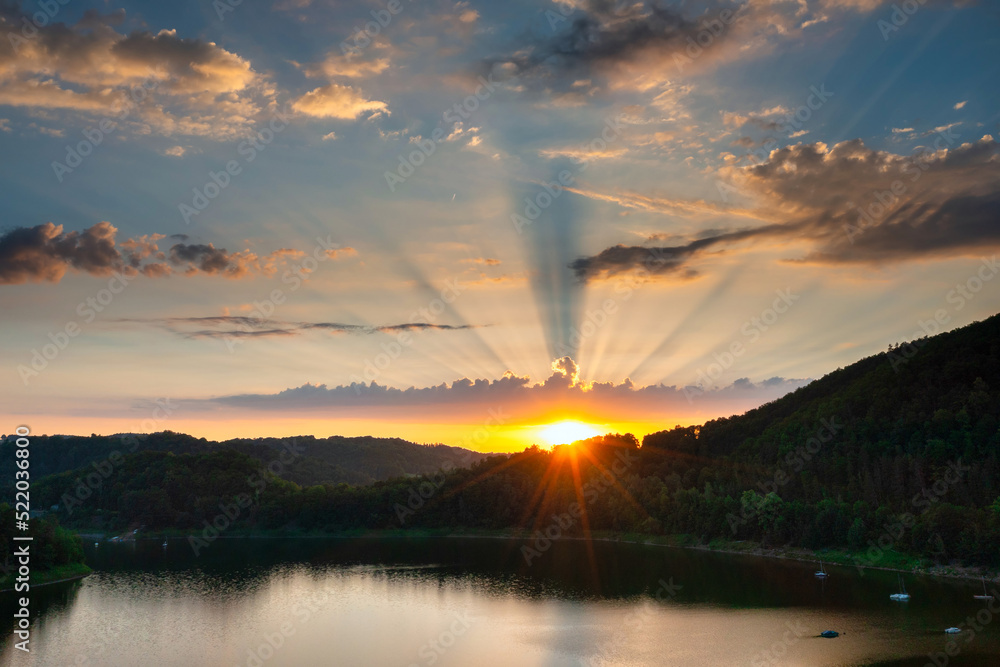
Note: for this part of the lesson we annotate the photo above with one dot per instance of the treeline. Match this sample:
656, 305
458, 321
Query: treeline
51, 548
896, 452
334, 460
620, 486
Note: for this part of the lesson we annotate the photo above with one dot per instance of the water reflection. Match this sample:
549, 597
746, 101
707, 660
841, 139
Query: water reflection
476, 602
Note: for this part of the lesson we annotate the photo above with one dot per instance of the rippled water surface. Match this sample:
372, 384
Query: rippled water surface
475, 602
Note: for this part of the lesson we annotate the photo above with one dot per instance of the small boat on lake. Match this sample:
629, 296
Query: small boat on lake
985, 595
829, 634
953, 631
902, 595
822, 571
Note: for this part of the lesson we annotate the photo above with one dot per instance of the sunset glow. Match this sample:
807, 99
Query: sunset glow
567, 431
483, 219
467, 328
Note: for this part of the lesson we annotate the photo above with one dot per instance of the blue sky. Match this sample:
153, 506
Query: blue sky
694, 198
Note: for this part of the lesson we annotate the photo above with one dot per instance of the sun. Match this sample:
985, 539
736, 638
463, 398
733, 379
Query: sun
567, 431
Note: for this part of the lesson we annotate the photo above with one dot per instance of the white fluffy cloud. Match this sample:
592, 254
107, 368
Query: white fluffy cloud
336, 101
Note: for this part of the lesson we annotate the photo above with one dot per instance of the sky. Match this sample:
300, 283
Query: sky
463, 222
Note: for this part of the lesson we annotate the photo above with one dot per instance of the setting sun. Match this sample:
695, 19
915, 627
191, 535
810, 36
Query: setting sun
567, 431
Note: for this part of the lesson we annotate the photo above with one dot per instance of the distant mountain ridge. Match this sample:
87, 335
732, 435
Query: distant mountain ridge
333, 460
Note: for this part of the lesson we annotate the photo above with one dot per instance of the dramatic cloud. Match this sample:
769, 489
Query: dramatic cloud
198, 87
862, 205
45, 252
850, 204
515, 395
644, 45
600, 36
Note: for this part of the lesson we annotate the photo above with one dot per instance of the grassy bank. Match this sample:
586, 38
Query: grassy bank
50, 576
884, 560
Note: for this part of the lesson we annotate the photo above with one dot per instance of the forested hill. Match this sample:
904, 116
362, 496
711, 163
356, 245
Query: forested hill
333, 460
898, 417
897, 452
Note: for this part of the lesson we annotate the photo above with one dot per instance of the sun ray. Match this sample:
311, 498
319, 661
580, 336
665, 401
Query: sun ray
574, 463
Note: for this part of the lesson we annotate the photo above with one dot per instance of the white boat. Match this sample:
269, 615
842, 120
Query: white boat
164, 544
902, 595
822, 571
952, 631
985, 595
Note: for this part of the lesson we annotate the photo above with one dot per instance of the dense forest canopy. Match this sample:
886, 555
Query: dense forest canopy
305, 460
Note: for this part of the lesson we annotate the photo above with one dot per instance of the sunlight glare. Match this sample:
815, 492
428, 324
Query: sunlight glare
567, 431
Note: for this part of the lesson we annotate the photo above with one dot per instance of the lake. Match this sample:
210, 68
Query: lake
451, 602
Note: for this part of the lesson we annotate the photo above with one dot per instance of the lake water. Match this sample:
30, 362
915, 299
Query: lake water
476, 603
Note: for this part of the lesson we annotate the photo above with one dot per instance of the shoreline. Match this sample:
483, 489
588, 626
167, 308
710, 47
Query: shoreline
841, 558
49, 583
